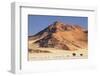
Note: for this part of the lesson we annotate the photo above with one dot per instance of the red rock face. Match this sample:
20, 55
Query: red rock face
62, 36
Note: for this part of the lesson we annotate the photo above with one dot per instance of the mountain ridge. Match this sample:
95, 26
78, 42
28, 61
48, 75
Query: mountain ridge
61, 36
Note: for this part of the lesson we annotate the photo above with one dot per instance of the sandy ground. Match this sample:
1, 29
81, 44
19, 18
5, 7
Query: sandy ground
55, 53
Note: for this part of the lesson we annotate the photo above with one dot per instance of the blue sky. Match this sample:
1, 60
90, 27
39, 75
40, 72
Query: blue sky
37, 23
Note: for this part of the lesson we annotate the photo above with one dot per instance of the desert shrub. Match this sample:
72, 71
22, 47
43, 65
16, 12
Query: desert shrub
30, 50
74, 54
81, 54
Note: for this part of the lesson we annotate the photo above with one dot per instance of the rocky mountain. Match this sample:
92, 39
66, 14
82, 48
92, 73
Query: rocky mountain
62, 36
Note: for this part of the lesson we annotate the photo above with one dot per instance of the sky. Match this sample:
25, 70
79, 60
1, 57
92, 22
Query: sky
37, 23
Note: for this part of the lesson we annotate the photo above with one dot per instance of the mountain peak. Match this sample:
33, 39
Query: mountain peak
60, 26
57, 22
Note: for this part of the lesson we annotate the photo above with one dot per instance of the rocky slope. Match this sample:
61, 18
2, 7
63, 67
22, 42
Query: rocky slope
62, 36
